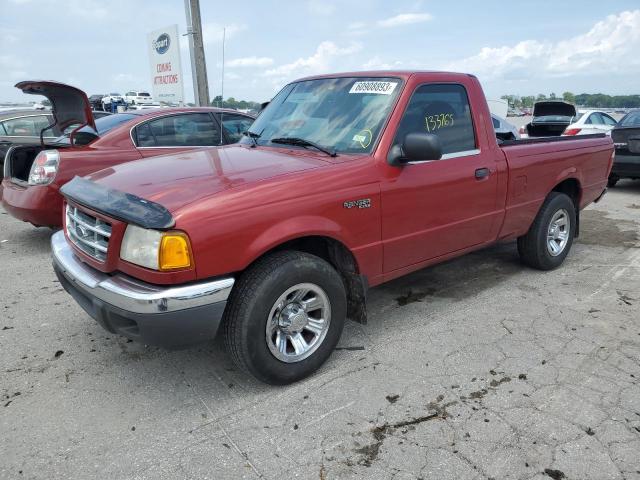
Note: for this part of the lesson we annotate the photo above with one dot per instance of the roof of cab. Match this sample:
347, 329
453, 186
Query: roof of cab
403, 74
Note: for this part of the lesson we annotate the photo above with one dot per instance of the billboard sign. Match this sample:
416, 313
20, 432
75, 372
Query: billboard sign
166, 70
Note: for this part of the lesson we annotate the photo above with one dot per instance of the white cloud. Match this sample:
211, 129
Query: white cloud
610, 46
13, 70
405, 19
250, 62
376, 63
319, 7
320, 61
212, 32
125, 79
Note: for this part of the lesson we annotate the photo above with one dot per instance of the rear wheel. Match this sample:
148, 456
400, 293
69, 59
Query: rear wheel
613, 179
549, 239
285, 316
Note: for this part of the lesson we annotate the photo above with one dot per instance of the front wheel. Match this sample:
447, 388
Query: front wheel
549, 239
285, 316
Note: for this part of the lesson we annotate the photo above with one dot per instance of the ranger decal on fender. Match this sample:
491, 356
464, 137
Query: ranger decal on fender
362, 203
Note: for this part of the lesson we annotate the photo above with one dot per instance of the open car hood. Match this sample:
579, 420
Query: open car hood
70, 105
552, 108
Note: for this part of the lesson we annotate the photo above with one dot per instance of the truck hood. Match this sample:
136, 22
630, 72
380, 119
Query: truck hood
177, 180
553, 108
70, 105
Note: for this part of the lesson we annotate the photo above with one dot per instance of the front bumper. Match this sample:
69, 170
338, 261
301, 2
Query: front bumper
171, 317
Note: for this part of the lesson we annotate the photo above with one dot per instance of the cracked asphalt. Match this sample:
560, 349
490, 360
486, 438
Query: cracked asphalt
478, 368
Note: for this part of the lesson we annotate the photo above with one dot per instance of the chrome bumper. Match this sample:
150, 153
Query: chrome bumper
133, 295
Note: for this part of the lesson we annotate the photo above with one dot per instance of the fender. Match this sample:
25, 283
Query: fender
294, 228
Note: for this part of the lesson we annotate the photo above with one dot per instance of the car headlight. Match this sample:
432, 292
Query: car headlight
156, 250
44, 167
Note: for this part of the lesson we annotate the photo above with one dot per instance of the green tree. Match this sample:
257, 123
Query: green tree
569, 97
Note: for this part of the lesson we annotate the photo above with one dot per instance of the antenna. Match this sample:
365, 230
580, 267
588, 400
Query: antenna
224, 35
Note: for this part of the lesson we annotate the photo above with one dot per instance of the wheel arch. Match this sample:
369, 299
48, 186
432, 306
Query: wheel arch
335, 252
573, 189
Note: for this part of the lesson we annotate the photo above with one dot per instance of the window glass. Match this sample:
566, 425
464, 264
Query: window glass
189, 130
608, 120
2, 129
595, 119
631, 119
442, 110
234, 125
143, 94
28, 126
496, 122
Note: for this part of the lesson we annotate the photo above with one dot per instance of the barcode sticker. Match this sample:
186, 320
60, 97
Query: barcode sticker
380, 88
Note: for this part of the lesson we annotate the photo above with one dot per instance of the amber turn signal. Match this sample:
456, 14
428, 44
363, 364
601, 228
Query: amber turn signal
175, 251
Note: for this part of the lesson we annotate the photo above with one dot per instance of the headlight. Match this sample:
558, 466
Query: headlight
156, 250
44, 167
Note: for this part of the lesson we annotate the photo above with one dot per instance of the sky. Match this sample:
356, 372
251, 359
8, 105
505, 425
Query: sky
523, 48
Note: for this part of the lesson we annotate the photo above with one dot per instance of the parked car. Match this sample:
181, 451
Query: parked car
504, 130
138, 97
550, 119
626, 138
34, 173
343, 182
96, 102
590, 122
111, 101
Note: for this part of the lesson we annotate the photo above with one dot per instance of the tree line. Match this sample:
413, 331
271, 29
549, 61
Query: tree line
594, 100
234, 104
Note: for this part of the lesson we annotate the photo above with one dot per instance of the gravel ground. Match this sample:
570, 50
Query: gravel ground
474, 369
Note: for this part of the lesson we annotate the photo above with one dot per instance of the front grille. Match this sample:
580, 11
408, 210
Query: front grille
88, 233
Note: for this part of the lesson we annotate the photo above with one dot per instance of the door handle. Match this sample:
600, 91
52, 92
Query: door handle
482, 173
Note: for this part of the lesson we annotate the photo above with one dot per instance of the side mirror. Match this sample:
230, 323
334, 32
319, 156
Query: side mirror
416, 147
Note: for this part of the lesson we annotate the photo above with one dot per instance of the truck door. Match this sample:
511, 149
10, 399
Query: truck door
433, 208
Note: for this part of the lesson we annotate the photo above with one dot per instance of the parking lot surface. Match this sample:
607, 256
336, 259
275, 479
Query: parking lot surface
474, 369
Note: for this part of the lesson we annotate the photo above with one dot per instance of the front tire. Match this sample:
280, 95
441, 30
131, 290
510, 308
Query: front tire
613, 179
549, 239
285, 316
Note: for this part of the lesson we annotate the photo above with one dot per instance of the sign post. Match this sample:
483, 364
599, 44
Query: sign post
166, 69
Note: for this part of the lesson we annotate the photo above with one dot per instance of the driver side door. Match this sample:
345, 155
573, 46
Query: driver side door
434, 208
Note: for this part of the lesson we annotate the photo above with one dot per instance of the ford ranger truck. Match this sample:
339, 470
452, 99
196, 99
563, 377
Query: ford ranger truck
343, 182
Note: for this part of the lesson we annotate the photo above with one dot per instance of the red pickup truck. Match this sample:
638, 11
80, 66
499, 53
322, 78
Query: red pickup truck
343, 182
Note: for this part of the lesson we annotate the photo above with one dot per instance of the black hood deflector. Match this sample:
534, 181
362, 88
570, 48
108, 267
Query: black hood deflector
118, 205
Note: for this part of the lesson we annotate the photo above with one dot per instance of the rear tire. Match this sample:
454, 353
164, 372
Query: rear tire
613, 179
549, 239
270, 332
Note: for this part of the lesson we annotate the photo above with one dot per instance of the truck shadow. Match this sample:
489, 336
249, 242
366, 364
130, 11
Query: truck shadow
454, 280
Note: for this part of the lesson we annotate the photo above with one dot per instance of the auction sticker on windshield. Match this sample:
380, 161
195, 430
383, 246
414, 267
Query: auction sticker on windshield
380, 88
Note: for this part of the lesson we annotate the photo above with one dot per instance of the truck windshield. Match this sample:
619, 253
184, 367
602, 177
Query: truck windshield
344, 115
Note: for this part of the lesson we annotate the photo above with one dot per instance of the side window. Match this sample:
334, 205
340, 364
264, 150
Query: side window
496, 122
3, 131
609, 120
234, 125
442, 110
188, 130
594, 119
27, 126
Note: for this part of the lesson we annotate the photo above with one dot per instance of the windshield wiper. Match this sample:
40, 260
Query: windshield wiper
253, 136
304, 143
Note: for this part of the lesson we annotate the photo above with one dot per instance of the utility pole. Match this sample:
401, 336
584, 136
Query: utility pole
196, 51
